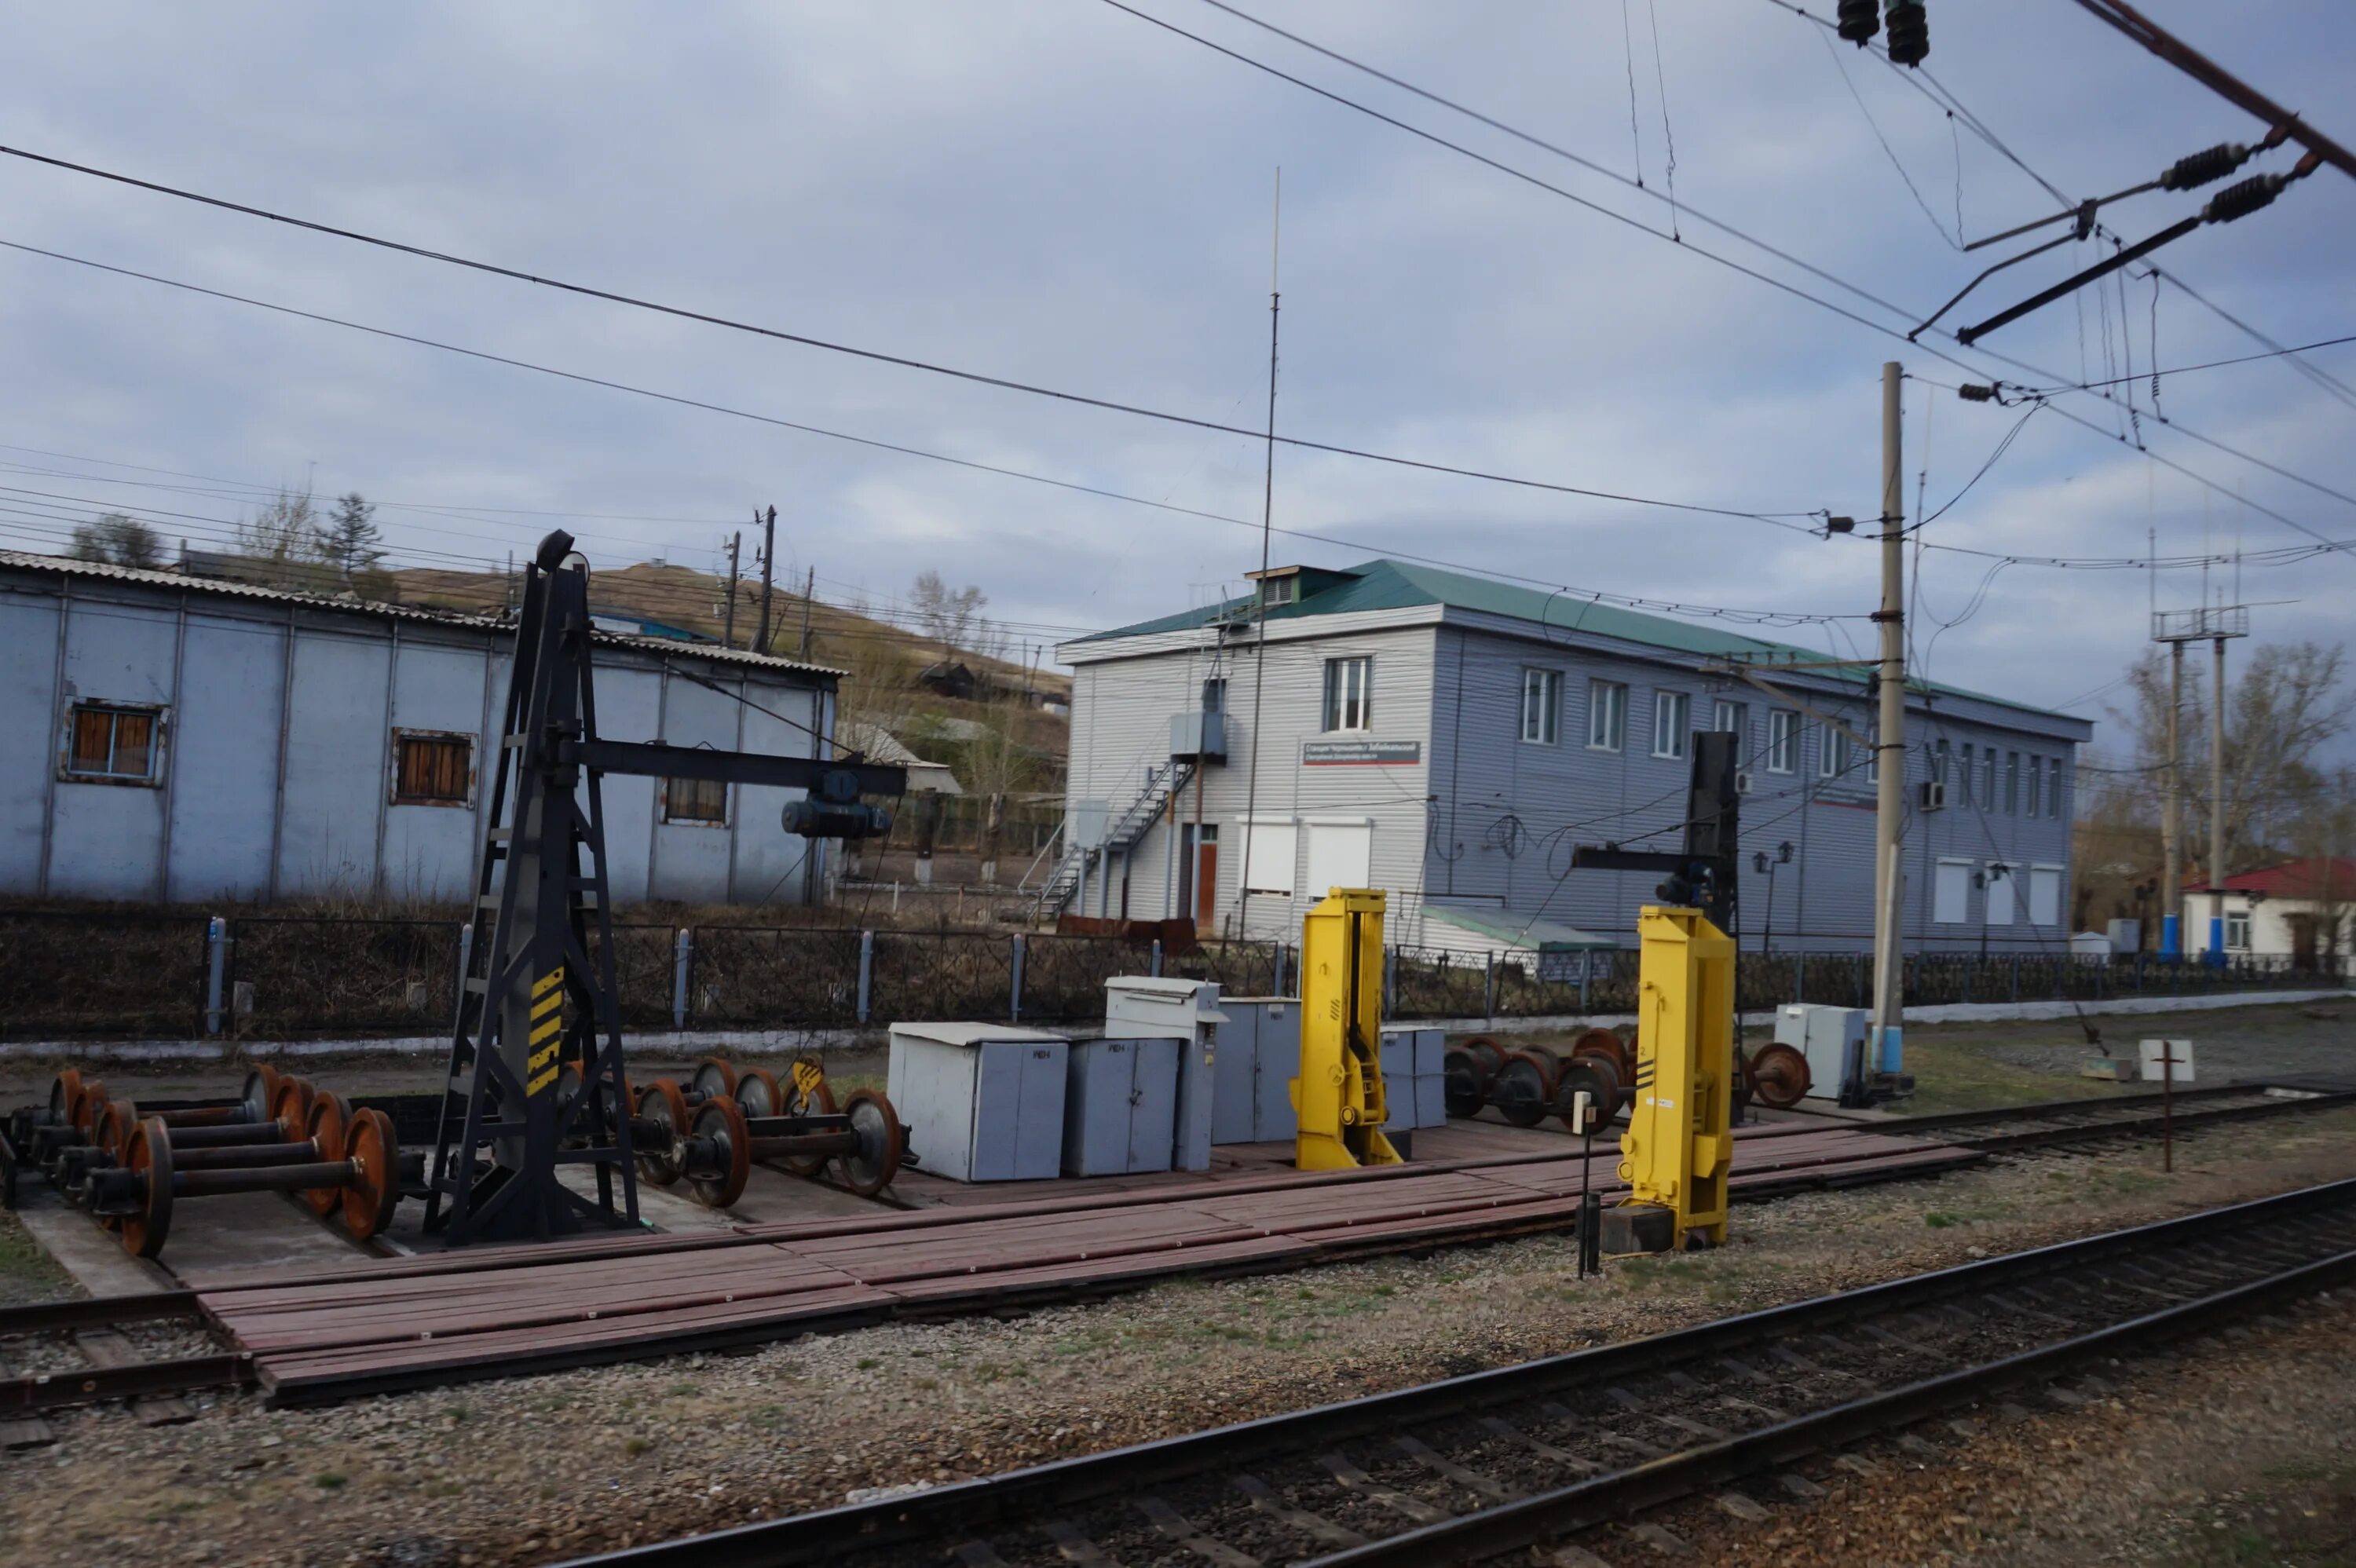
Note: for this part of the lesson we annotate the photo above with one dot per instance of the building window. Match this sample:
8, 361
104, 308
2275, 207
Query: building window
1963, 777
1541, 706
1349, 693
1607, 715
2012, 784
2237, 930
1832, 752
1734, 717
1275, 590
2036, 785
2053, 790
1783, 740
702, 803
103, 742
432, 770
1672, 717
1985, 794
1939, 761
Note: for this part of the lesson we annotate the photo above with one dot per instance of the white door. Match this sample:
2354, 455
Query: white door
1951, 893
1341, 854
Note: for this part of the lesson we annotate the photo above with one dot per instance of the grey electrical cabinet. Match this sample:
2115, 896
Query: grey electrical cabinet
981, 1102
1121, 1106
1142, 1006
1258, 1057
1414, 1077
1833, 1039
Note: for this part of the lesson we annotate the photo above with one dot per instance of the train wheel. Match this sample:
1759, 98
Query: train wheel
1599, 1079
330, 1119
1523, 1089
661, 1103
143, 1233
758, 1094
65, 1092
1605, 1043
290, 1106
816, 1100
869, 1169
715, 1078
375, 1189
721, 1121
260, 1088
1782, 1074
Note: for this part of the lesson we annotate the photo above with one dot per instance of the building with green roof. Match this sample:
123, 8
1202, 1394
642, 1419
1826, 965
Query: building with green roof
1450, 738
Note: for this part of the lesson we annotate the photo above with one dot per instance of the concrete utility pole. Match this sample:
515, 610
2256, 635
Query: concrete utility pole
2171, 820
768, 566
2217, 809
728, 616
1889, 742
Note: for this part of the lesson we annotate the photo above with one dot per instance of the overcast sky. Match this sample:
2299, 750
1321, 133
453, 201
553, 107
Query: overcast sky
1060, 193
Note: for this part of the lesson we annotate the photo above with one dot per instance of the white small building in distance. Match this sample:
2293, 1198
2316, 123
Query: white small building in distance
182, 739
2299, 910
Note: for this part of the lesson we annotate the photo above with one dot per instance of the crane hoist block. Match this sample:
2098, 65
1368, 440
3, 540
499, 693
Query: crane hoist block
1677, 1147
1339, 1095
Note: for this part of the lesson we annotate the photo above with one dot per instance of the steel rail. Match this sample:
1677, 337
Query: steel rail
134, 1379
971, 1508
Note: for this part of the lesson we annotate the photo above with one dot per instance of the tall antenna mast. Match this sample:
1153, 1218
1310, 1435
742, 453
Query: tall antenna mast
1266, 521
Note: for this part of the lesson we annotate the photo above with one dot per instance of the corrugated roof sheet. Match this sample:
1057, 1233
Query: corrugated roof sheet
65, 566
2304, 879
1385, 584
1521, 934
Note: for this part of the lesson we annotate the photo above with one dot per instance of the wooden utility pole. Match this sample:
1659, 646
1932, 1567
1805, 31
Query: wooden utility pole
768, 566
1890, 742
809, 591
728, 615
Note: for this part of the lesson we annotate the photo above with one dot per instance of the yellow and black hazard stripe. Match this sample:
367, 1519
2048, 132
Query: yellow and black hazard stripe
547, 1030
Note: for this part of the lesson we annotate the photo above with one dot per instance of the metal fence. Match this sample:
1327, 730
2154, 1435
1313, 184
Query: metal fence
68, 974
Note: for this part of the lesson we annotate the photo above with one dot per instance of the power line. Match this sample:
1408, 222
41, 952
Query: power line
877, 356
1758, 617
2274, 353
1778, 284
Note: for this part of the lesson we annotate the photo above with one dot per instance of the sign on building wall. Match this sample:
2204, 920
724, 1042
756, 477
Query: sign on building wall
1361, 754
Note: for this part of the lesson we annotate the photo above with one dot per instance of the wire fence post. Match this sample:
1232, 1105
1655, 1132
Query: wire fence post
216, 960
866, 972
1014, 978
1489, 989
2016, 976
1390, 981
1157, 956
683, 959
458, 981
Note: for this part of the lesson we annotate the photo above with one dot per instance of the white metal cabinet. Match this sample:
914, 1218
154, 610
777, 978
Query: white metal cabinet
1121, 1106
981, 1102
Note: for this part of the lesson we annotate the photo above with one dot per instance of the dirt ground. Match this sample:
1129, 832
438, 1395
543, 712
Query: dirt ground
537, 1469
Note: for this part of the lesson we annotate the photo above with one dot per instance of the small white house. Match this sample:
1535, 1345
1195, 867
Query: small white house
2299, 910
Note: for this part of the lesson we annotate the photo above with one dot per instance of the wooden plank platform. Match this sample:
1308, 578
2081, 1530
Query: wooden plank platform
377, 1326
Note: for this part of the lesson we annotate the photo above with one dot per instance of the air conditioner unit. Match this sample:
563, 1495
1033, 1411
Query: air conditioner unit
1742, 781
1933, 794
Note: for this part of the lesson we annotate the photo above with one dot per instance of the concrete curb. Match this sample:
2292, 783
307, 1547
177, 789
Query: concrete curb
663, 1044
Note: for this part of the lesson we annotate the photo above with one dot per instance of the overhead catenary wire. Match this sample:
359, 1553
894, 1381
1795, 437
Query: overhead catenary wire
1758, 617
1890, 332
906, 362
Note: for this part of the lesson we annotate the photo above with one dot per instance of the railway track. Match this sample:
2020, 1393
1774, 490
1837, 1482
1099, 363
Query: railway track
2060, 1122
1472, 1467
84, 1356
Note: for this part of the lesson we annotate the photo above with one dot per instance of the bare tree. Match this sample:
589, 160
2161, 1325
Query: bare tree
117, 540
948, 614
280, 543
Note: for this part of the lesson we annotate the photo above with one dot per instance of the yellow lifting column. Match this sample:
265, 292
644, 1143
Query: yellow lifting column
1675, 1151
1339, 1095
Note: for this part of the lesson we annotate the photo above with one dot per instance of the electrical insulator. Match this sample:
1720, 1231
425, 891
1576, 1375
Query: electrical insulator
1859, 20
2242, 199
1910, 32
1973, 392
2215, 164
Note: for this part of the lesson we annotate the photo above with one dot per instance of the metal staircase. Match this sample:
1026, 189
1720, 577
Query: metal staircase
1162, 782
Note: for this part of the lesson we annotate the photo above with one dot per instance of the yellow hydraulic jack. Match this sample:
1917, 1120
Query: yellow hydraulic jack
1675, 1151
1339, 1095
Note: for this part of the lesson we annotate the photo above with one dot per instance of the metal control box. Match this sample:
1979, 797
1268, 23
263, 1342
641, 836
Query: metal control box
1414, 1077
1121, 1106
981, 1102
1258, 1057
1143, 1007
1834, 1041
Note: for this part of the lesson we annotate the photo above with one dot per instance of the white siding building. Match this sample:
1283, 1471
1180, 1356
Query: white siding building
181, 739
1450, 739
